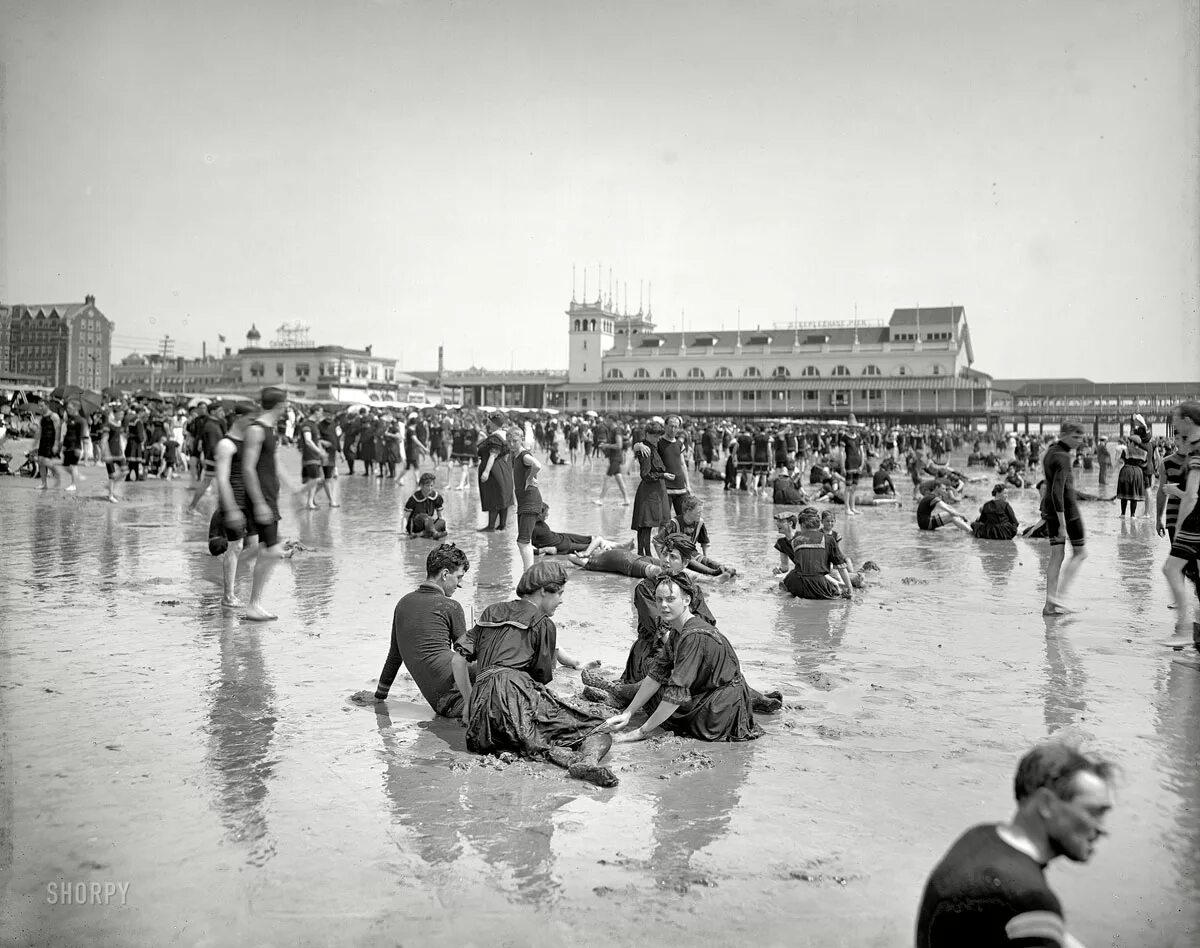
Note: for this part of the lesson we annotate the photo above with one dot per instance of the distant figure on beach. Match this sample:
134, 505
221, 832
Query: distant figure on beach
1064, 522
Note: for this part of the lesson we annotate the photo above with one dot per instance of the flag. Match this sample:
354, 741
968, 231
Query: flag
221, 338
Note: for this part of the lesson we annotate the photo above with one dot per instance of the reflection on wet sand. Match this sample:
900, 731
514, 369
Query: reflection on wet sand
997, 558
241, 725
503, 818
1139, 572
1065, 683
693, 809
1176, 723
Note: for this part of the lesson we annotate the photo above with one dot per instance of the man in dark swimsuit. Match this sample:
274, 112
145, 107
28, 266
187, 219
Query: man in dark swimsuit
1062, 516
210, 431
50, 440
425, 625
990, 888
261, 476
610, 441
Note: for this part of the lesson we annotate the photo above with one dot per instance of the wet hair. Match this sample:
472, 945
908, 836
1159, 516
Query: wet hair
655, 428
999, 489
542, 514
427, 478
1054, 766
272, 397
674, 419
446, 556
691, 502
681, 582
810, 519
681, 544
1070, 427
828, 516
548, 577
1189, 410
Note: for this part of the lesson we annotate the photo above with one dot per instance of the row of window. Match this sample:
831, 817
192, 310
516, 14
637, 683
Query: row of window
749, 395
780, 372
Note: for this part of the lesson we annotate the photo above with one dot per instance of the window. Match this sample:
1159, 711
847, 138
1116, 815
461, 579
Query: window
839, 370
752, 372
935, 369
781, 372
585, 345
667, 373
871, 393
903, 370
374, 373
904, 337
614, 374
641, 396
695, 373
723, 373
872, 370
302, 369
749, 395
279, 369
810, 371
668, 396
640, 373
257, 369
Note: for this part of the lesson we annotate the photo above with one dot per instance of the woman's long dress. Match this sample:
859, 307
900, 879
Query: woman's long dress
997, 521
699, 671
651, 631
497, 492
813, 556
511, 708
651, 505
1131, 479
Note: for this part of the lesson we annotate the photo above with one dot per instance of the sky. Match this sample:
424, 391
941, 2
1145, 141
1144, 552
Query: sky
416, 174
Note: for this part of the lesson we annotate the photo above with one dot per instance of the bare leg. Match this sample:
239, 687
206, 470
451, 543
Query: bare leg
229, 565
1053, 569
1173, 571
526, 551
264, 563
586, 765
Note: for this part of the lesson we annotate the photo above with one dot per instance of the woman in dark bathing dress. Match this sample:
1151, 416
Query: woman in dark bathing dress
509, 707
495, 474
651, 505
695, 687
997, 521
812, 556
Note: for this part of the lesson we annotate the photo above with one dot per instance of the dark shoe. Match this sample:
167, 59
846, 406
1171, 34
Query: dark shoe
599, 696
594, 679
593, 773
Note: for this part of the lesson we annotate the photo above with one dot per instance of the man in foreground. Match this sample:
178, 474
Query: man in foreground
990, 888
425, 626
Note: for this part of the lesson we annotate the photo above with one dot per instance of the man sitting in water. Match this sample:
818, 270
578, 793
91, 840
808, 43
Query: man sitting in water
934, 512
425, 626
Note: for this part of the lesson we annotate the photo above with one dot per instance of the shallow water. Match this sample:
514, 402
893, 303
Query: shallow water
216, 767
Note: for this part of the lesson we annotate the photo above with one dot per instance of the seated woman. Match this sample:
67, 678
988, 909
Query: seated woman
933, 512
690, 524
509, 707
1014, 477
833, 490
812, 555
695, 683
546, 540
996, 518
678, 552
786, 489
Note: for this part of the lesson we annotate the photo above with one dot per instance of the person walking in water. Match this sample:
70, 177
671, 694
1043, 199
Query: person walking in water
1179, 485
1063, 519
260, 503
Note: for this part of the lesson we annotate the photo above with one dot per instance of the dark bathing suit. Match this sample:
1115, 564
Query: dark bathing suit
1059, 507
425, 625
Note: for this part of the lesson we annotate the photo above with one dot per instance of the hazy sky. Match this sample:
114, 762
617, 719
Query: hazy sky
414, 173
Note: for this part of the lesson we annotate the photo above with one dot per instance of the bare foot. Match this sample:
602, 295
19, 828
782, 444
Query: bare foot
231, 602
259, 614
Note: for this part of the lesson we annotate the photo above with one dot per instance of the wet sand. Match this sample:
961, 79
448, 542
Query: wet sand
214, 765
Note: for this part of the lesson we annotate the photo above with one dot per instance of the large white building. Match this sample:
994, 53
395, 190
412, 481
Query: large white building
917, 365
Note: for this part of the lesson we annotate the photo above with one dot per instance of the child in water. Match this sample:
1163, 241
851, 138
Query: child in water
423, 508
